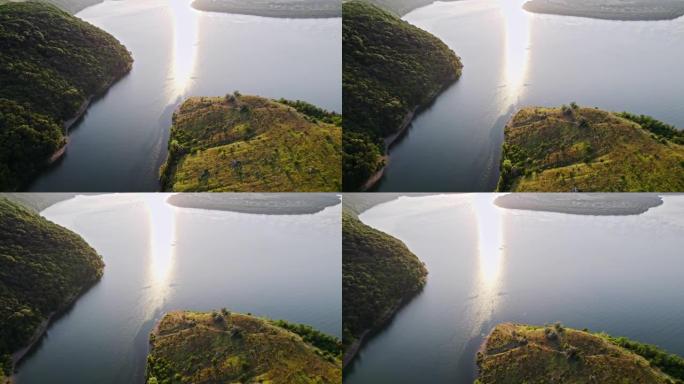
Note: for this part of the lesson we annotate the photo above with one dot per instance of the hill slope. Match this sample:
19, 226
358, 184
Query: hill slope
586, 149
379, 274
516, 353
43, 268
390, 69
71, 6
224, 347
610, 9
252, 144
51, 64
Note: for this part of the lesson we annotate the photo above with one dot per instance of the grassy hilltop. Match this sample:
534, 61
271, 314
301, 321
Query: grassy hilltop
587, 149
252, 144
225, 347
379, 274
43, 268
515, 353
51, 64
390, 68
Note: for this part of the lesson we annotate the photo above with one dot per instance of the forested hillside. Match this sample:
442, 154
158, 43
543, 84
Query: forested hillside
390, 68
379, 274
43, 268
51, 64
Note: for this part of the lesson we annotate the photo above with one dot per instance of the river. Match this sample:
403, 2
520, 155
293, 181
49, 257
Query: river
120, 143
618, 274
160, 258
513, 58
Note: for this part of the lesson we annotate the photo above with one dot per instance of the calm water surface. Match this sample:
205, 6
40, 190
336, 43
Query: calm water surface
179, 52
160, 258
489, 265
513, 58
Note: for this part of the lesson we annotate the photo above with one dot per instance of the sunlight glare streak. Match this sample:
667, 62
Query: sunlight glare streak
489, 223
185, 35
162, 237
490, 238
517, 40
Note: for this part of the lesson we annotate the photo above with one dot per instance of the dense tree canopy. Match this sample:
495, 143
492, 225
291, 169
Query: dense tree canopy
50, 64
378, 273
43, 267
390, 67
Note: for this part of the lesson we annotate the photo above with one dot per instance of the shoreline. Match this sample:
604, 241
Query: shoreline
67, 125
355, 347
391, 140
41, 330
61, 151
563, 9
266, 11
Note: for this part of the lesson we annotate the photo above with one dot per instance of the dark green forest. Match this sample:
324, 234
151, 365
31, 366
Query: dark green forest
378, 273
671, 364
51, 63
390, 67
657, 127
313, 111
43, 268
330, 345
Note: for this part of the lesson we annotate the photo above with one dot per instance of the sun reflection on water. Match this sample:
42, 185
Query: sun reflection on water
185, 39
490, 238
491, 251
161, 218
516, 53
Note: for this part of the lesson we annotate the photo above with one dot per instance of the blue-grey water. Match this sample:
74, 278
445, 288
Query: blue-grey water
179, 52
619, 274
160, 258
513, 58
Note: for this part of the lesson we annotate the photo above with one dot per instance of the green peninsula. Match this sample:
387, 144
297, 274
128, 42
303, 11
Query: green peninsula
52, 65
240, 143
225, 347
573, 148
273, 8
515, 353
43, 269
379, 275
390, 70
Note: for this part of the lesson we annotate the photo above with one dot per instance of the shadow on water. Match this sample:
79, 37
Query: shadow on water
58, 317
349, 369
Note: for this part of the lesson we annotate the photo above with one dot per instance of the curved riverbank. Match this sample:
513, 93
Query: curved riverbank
385, 82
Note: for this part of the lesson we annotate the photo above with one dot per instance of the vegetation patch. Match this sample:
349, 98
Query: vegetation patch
586, 149
390, 68
515, 353
43, 268
51, 64
252, 144
226, 347
379, 273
